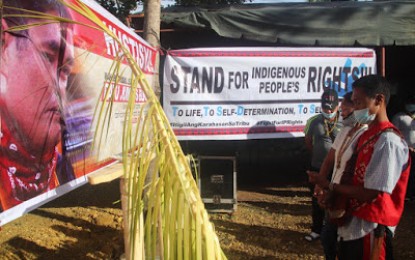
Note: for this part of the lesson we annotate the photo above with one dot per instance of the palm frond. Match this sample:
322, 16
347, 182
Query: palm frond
166, 216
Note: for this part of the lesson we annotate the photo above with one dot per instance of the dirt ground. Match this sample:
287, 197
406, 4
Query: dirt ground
269, 223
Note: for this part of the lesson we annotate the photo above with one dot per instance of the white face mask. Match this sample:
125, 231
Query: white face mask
329, 116
363, 117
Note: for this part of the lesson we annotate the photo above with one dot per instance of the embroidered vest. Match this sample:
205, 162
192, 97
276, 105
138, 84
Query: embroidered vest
385, 209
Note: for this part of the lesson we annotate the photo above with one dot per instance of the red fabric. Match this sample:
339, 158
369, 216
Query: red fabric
385, 209
367, 247
22, 175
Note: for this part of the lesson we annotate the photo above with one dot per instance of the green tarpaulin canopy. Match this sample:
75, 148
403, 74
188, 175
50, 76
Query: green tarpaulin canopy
307, 24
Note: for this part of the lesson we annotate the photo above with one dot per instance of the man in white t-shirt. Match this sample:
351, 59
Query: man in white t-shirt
334, 163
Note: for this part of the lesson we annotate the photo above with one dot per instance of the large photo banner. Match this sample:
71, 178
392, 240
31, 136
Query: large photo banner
53, 75
254, 93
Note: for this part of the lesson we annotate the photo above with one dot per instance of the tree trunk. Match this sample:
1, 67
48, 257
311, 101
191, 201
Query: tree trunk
152, 35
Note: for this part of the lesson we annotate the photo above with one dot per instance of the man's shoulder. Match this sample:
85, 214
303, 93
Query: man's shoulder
345, 129
311, 122
392, 139
391, 135
314, 119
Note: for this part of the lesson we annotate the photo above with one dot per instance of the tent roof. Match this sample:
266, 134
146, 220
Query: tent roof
306, 24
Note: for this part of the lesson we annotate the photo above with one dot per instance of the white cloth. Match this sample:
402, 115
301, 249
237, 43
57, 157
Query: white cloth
406, 125
337, 145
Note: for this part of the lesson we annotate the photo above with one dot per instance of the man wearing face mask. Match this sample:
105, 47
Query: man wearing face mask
375, 189
404, 121
334, 164
320, 132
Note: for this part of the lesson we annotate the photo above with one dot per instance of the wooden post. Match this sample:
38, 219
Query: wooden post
151, 33
382, 62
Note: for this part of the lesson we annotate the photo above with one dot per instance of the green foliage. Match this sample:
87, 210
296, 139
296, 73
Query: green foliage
120, 8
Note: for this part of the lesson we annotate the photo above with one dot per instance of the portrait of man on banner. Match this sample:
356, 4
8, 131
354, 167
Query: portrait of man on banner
35, 66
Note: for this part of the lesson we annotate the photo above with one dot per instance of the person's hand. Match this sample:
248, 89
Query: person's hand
311, 176
320, 194
318, 179
317, 191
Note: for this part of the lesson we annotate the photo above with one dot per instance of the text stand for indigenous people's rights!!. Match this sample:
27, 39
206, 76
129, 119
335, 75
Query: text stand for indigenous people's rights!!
254, 93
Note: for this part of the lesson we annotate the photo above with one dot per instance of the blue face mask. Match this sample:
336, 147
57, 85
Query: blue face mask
362, 116
410, 107
329, 116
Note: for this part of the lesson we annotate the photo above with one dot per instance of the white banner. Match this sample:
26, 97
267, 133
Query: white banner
251, 93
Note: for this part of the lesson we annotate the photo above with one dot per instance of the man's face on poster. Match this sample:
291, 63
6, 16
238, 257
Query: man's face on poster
36, 70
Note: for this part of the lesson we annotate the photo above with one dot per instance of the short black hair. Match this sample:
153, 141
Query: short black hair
373, 85
347, 98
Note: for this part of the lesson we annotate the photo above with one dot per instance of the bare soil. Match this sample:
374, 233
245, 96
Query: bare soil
270, 223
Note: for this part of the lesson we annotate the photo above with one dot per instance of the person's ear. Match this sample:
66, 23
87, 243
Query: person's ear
379, 99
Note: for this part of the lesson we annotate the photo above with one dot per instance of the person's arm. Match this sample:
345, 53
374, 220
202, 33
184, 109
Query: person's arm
308, 140
328, 164
314, 177
357, 192
308, 135
325, 170
382, 173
